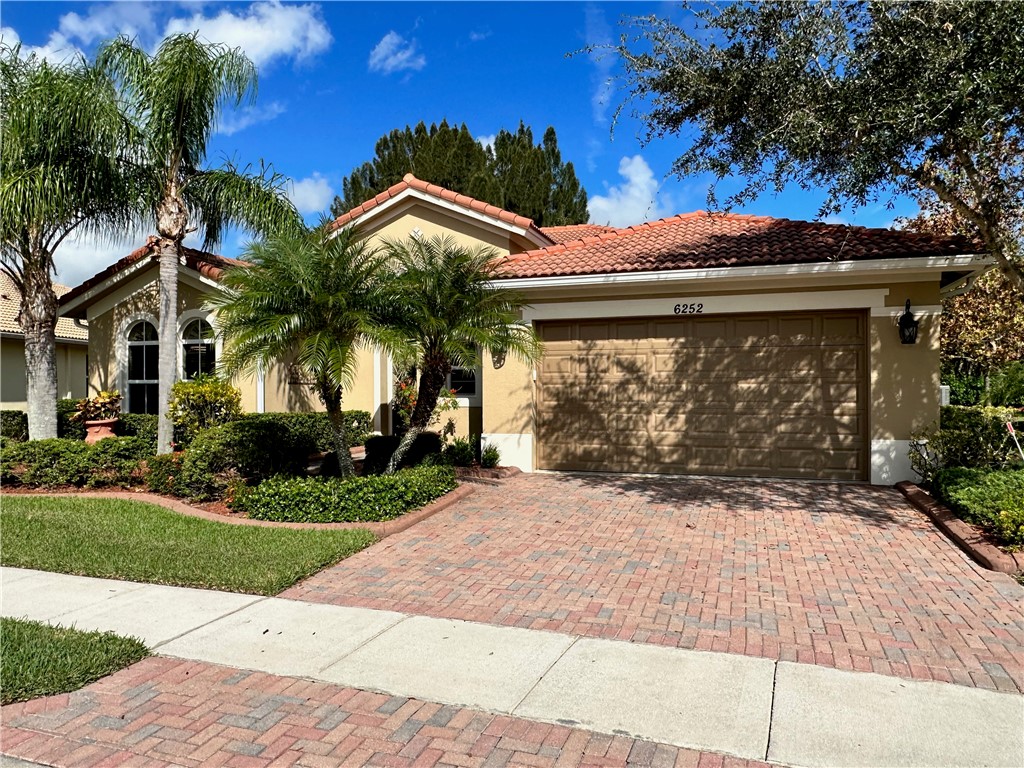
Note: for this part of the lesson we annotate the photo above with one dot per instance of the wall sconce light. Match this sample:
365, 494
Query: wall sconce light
497, 358
908, 326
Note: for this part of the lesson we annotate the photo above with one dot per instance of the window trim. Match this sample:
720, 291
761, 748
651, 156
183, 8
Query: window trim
473, 400
124, 346
184, 319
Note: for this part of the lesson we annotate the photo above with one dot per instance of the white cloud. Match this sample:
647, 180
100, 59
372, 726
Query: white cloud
57, 48
598, 33
265, 31
478, 35
106, 21
488, 140
836, 220
633, 201
240, 119
393, 54
312, 194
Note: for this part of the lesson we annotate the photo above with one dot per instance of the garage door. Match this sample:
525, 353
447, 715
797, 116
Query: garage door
771, 395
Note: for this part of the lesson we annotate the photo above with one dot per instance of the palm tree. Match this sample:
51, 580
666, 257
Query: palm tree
314, 298
62, 170
449, 310
175, 97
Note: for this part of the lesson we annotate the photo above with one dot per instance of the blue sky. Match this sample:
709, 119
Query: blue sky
335, 76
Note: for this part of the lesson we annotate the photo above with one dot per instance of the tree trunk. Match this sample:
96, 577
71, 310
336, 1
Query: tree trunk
168, 338
332, 402
432, 379
38, 320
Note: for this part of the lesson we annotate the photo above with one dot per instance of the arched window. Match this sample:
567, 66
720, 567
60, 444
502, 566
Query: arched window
143, 368
198, 349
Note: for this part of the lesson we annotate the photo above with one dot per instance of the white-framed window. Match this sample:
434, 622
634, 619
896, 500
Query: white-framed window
198, 348
466, 383
143, 366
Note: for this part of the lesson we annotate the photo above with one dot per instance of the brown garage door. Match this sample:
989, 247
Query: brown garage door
772, 395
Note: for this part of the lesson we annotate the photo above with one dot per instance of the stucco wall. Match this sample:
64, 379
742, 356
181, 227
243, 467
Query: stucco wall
71, 372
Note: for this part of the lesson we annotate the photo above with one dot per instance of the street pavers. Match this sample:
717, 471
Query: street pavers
840, 575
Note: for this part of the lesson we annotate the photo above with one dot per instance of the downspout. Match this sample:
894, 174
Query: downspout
261, 392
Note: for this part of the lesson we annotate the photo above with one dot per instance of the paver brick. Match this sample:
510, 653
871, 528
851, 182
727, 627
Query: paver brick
841, 575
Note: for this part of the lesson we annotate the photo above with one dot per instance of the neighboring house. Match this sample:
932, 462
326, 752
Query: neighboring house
72, 351
697, 344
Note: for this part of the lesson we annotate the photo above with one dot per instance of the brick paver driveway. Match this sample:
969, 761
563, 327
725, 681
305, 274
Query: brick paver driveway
843, 575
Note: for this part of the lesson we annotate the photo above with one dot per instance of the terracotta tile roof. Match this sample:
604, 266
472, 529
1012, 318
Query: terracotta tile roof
10, 306
570, 232
411, 182
207, 264
702, 240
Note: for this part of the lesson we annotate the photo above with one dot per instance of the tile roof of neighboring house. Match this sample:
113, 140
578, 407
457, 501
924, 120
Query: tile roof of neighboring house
702, 240
569, 232
10, 306
411, 182
207, 264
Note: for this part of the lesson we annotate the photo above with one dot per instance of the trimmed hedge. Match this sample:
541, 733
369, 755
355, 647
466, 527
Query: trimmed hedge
73, 430
355, 500
380, 448
140, 425
966, 436
59, 461
992, 500
14, 425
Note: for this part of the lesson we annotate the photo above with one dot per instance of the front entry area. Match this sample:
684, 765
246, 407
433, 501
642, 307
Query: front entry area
762, 395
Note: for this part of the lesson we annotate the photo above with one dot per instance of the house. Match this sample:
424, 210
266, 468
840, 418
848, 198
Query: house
697, 344
72, 351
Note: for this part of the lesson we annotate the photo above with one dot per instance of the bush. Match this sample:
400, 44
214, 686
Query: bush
992, 500
104, 406
140, 425
162, 473
966, 437
66, 426
202, 403
490, 456
14, 425
59, 461
251, 449
1007, 387
461, 452
357, 499
379, 450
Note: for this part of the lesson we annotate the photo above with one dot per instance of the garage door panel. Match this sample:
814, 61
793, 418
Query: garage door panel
762, 394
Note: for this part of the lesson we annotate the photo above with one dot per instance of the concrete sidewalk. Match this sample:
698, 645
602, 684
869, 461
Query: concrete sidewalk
752, 708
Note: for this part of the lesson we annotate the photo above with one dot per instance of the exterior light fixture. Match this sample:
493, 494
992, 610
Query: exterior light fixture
908, 326
498, 358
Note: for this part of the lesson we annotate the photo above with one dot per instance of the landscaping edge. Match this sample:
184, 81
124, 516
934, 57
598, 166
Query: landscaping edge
962, 533
379, 529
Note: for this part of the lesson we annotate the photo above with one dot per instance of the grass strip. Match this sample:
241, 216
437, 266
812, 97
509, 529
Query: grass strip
40, 660
135, 541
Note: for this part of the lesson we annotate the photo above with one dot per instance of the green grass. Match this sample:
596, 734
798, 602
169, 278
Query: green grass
39, 660
118, 539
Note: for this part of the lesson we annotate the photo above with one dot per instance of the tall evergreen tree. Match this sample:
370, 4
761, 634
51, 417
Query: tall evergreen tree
515, 174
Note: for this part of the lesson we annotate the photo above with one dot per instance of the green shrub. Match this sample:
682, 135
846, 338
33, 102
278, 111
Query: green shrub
250, 449
380, 448
358, 499
162, 473
967, 437
316, 427
1007, 387
489, 456
202, 403
14, 425
992, 500
461, 452
66, 426
59, 461
140, 425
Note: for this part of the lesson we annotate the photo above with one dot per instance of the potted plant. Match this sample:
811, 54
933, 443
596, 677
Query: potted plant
99, 414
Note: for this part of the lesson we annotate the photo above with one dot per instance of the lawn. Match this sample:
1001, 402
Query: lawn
135, 541
39, 660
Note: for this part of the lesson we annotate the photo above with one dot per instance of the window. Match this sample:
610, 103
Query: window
463, 381
198, 349
143, 367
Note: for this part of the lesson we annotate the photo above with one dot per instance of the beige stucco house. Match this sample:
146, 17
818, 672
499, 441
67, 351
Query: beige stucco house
72, 351
697, 344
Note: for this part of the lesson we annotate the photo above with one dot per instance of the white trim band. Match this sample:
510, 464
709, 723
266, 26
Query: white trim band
516, 449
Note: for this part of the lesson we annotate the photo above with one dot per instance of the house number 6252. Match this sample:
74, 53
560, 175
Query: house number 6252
689, 309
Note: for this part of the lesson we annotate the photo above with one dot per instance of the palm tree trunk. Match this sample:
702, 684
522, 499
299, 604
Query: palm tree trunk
38, 320
332, 402
168, 337
432, 379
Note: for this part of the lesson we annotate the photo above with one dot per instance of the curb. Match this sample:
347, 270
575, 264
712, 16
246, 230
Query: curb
379, 529
963, 534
